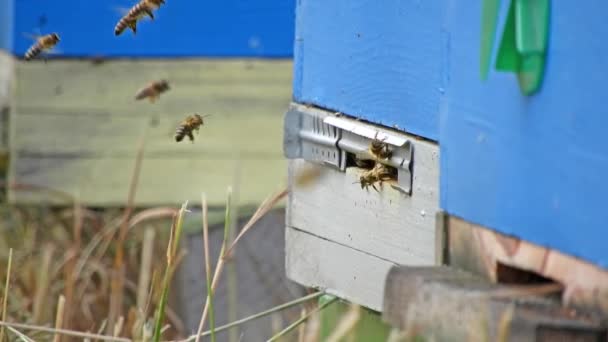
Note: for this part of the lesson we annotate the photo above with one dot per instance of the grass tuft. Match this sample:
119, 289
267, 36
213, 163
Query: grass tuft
176, 230
209, 300
303, 319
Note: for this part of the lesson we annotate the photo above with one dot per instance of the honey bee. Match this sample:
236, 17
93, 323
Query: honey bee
43, 43
379, 174
152, 91
188, 126
379, 149
141, 9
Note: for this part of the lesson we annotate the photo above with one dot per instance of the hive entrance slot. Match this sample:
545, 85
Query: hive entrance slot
353, 161
370, 174
507, 274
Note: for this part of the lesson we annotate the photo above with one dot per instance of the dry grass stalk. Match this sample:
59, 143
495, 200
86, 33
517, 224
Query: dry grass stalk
71, 261
504, 324
295, 324
64, 332
19, 334
312, 326
118, 326
209, 300
64, 196
302, 327
255, 316
42, 283
276, 322
346, 324
262, 210
219, 266
6, 288
59, 317
145, 268
232, 287
118, 274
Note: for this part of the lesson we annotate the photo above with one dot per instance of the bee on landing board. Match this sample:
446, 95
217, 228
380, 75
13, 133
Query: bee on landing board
152, 91
188, 126
379, 149
379, 174
43, 43
140, 10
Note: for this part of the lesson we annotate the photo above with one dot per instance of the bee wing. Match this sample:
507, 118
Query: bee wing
123, 11
143, 93
32, 36
53, 51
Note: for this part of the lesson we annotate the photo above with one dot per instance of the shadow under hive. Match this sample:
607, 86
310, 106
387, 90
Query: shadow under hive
260, 273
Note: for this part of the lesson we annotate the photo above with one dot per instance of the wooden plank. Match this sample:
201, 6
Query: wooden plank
340, 270
486, 252
7, 77
386, 224
170, 181
76, 128
446, 304
6, 25
221, 136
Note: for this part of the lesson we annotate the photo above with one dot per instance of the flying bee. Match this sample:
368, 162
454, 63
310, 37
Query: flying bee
140, 10
379, 174
153, 90
379, 149
188, 126
43, 43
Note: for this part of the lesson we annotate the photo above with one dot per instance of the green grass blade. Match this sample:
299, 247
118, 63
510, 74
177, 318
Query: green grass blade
171, 253
295, 324
258, 315
19, 334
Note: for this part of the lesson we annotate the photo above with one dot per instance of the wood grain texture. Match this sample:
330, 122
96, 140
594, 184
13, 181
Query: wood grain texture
480, 250
447, 304
385, 224
6, 25
7, 78
76, 127
380, 62
339, 270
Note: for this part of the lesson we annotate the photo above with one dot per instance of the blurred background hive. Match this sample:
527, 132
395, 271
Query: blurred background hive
74, 125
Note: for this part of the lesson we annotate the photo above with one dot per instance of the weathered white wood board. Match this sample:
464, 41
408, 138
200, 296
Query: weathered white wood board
105, 181
75, 128
7, 73
386, 224
342, 271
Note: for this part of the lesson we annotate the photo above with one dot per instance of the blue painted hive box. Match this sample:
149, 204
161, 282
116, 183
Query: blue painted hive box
510, 91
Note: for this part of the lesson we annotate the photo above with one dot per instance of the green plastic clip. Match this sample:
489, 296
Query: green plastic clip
524, 41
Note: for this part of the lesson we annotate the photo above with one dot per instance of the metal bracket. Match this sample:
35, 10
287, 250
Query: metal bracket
316, 135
